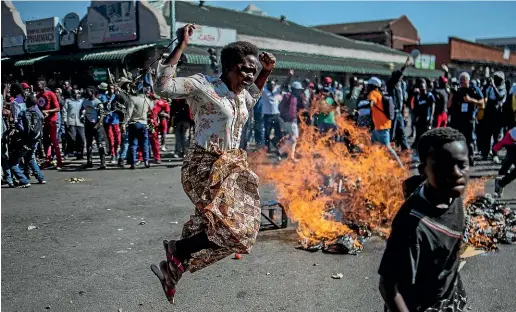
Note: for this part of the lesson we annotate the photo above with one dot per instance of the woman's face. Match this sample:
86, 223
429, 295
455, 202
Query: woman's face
243, 75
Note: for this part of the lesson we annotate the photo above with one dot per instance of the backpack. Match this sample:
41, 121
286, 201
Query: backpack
32, 125
388, 108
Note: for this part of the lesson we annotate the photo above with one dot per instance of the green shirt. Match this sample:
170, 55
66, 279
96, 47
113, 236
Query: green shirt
323, 118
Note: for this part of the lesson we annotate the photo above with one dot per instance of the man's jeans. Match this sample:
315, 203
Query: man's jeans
6, 172
383, 137
138, 137
29, 159
124, 146
398, 132
77, 140
272, 122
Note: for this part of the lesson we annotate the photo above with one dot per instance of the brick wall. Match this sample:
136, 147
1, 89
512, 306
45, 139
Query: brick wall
404, 33
380, 38
440, 51
464, 50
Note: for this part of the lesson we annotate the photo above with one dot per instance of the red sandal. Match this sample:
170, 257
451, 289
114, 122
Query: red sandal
169, 293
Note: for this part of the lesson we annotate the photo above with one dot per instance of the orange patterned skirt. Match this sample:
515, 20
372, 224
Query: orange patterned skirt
227, 203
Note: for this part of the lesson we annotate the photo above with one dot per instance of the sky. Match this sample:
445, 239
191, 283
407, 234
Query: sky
435, 21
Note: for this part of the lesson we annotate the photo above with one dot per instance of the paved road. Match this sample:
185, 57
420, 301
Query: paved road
89, 253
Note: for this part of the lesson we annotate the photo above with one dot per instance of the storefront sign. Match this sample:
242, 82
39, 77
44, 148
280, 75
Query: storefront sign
112, 22
425, 61
71, 21
12, 41
211, 36
99, 74
42, 35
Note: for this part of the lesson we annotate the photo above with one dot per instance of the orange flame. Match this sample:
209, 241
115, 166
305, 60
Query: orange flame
366, 187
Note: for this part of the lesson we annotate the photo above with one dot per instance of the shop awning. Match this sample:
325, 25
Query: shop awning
31, 61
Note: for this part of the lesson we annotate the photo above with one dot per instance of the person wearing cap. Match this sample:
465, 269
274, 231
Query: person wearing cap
462, 106
492, 121
290, 105
441, 103
382, 124
324, 120
50, 108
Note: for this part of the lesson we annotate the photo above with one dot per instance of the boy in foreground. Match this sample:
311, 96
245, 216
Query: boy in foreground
419, 269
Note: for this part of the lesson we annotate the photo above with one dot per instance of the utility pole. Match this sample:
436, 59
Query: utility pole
172, 5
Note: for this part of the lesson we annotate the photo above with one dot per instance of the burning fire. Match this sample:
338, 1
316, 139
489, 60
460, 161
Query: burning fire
336, 189
358, 181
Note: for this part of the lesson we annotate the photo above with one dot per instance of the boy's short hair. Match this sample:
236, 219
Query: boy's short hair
436, 138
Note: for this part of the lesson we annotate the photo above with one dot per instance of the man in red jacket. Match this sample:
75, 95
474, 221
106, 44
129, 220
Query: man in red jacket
49, 106
163, 110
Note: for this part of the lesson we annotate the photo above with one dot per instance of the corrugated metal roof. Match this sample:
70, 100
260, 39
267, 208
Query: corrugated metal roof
31, 61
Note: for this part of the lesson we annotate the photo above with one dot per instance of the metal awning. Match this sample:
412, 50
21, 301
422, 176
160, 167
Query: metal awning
30, 62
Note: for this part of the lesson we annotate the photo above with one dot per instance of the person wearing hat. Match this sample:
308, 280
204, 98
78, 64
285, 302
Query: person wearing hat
289, 107
492, 121
382, 124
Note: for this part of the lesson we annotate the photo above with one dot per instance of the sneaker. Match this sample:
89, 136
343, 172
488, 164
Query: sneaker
498, 189
138, 163
42, 182
102, 167
132, 167
163, 149
158, 161
88, 165
175, 155
147, 164
26, 185
113, 160
496, 160
59, 167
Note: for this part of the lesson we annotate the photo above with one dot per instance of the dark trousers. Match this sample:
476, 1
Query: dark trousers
466, 127
398, 132
245, 136
77, 140
138, 137
259, 132
99, 136
421, 127
490, 128
180, 130
509, 160
272, 122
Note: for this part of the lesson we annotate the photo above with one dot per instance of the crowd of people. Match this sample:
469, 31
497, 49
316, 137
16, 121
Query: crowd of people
43, 126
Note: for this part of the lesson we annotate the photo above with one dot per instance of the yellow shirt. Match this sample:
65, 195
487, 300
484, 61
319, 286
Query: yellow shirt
381, 122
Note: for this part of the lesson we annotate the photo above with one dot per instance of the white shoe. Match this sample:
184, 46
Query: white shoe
163, 149
496, 160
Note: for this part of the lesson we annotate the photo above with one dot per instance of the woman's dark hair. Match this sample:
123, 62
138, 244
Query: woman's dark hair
234, 53
31, 101
435, 139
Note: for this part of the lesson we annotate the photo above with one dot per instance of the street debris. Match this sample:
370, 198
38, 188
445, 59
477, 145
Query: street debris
142, 222
32, 227
174, 222
316, 264
237, 257
268, 273
75, 180
489, 222
337, 276
81, 292
42, 257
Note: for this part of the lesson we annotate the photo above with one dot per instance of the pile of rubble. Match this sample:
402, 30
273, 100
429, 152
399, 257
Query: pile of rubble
489, 222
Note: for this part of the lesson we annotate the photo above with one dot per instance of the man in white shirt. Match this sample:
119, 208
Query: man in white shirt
271, 98
137, 110
72, 118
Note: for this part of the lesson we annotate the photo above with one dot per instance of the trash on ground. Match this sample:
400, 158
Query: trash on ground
337, 276
32, 227
237, 257
142, 222
75, 180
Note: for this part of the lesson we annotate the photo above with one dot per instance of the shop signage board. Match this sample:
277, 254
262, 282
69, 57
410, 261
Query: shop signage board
42, 35
211, 36
425, 61
68, 39
100, 74
12, 41
112, 22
